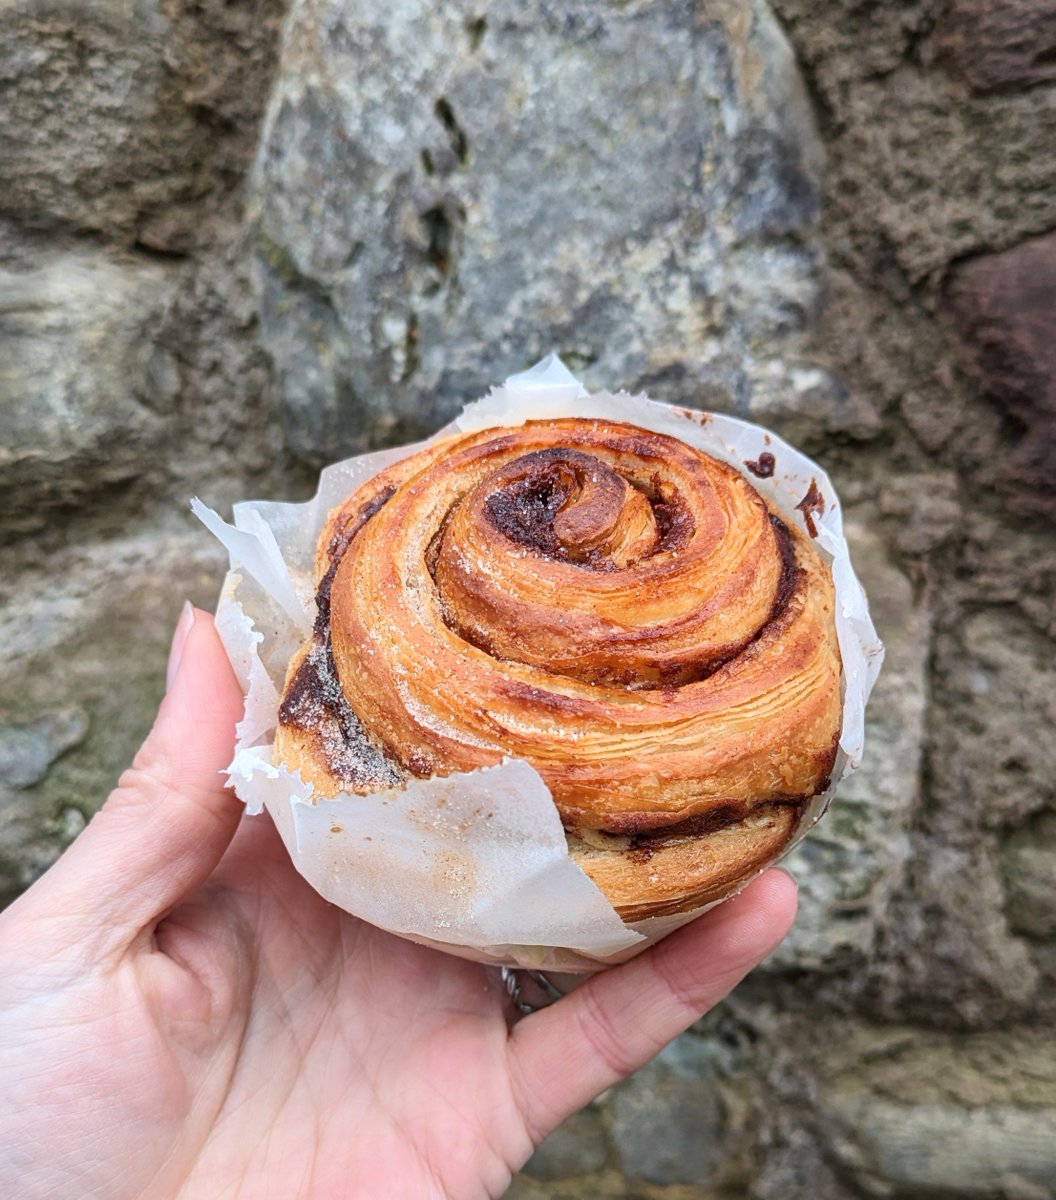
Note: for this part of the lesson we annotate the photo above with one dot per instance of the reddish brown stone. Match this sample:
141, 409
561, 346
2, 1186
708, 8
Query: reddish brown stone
995, 45
1004, 309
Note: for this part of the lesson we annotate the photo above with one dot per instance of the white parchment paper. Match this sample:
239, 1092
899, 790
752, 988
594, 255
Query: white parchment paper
477, 863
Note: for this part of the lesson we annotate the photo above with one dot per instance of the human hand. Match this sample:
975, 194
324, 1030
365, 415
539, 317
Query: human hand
182, 1016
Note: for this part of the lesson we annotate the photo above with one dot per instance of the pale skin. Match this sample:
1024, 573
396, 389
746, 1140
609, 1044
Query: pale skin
183, 1018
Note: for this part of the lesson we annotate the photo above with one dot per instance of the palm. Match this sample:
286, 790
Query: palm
277, 1046
182, 1016
387, 1058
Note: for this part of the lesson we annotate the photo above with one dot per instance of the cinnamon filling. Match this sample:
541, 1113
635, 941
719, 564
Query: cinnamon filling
315, 703
572, 507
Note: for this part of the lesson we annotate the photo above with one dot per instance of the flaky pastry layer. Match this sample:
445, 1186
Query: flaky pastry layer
612, 605
673, 873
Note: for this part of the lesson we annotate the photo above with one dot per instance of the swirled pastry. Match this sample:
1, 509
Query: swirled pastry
615, 607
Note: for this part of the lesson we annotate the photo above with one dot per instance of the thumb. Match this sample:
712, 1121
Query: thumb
565, 1055
168, 822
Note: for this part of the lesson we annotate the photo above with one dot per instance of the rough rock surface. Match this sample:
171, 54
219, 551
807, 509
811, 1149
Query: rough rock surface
84, 385
999, 44
579, 1146
128, 119
921, 171
944, 1118
442, 193
1004, 307
1029, 861
133, 146
82, 672
439, 200
666, 1126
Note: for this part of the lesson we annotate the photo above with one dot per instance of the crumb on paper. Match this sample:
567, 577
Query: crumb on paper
812, 504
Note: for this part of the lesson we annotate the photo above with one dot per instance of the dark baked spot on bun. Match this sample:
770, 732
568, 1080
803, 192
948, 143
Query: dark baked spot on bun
419, 764
339, 544
643, 846
826, 760
557, 501
524, 509
640, 854
343, 535
725, 814
638, 443
644, 827
302, 693
315, 711
556, 702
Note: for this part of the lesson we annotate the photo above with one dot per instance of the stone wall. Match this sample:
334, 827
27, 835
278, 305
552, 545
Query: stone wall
232, 247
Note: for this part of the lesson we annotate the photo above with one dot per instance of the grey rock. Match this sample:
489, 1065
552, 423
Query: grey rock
668, 1121
27, 846
577, 1147
85, 638
524, 1187
809, 403
28, 750
131, 118
84, 388
796, 1170
906, 1113
922, 172
1014, 1068
1003, 306
92, 128
996, 1153
438, 202
960, 962
1029, 862
851, 864
926, 508
1012, 562
995, 679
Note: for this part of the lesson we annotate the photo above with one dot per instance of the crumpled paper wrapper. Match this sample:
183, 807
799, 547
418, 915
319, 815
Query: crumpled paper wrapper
476, 863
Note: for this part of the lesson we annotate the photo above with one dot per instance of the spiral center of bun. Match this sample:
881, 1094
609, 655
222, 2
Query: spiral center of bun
626, 560
571, 507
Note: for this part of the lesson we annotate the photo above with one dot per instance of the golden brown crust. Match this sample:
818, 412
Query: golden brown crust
683, 873
611, 605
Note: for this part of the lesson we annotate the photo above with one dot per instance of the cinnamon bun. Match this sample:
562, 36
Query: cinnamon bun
613, 606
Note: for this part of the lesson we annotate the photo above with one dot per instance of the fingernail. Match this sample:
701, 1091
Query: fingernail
179, 640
